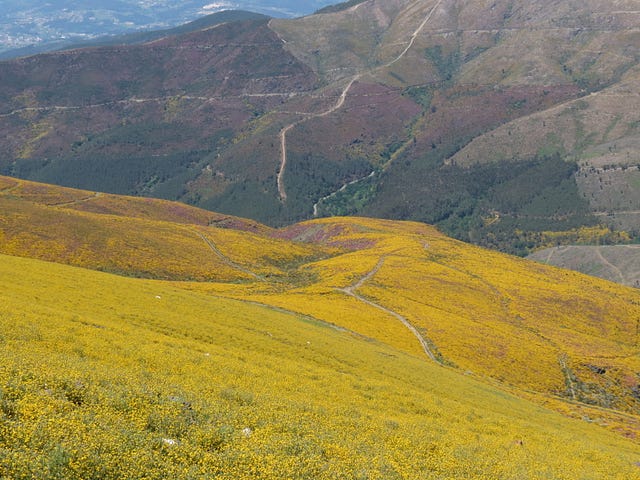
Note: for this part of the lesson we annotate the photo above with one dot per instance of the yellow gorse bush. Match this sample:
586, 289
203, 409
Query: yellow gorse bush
253, 353
110, 381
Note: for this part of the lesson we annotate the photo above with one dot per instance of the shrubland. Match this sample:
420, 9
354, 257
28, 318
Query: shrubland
287, 353
124, 378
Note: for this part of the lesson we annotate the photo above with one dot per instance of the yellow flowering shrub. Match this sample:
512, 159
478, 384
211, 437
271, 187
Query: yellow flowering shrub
131, 378
7, 183
305, 352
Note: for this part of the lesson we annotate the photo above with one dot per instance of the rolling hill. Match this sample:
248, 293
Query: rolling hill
505, 123
338, 347
128, 377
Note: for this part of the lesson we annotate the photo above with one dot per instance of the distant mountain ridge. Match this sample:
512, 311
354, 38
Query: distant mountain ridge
28, 27
511, 124
207, 21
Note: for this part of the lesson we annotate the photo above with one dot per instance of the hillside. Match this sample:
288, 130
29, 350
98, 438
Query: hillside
617, 263
560, 339
129, 377
142, 118
506, 123
134, 236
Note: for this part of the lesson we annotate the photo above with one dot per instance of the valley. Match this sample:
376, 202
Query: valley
414, 110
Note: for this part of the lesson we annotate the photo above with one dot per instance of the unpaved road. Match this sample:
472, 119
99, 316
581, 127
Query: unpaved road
308, 116
283, 133
352, 291
226, 259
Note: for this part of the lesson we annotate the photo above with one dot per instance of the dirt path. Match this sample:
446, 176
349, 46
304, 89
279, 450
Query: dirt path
227, 260
76, 202
341, 189
566, 372
283, 133
134, 100
551, 252
351, 291
308, 116
352, 288
283, 161
19, 184
613, 267
415, 34
623, 212
11, 188
278, 309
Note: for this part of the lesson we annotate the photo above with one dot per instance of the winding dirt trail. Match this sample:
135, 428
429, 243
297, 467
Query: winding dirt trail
352, 291
226, 259
283, 161
308, 116
283, 133
76, 202
316, 210
613, 267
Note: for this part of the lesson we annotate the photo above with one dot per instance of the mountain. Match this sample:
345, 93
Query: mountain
144, 36
617, 263
510, 124
331, 348
28, 27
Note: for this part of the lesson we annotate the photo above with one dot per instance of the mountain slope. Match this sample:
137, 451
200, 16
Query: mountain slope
79, 133
431, 110
28, 27
475, 66
135, 236
128, 377
617, 263
557, 337
207, 21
